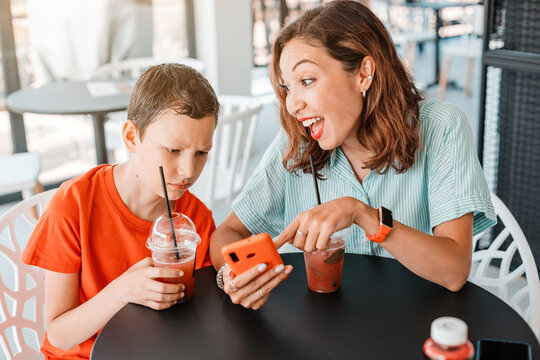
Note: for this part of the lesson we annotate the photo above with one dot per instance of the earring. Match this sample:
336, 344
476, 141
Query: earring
370, 77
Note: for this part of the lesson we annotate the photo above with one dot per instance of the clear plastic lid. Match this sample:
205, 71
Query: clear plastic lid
449, 331
338, 239
160, 235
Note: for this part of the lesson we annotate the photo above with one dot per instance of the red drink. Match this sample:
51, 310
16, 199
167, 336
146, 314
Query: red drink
176, 252
324, 267
186, 263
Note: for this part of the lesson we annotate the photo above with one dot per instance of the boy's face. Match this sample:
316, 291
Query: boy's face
178, 143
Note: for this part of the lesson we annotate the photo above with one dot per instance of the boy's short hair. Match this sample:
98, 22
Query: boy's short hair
171, 86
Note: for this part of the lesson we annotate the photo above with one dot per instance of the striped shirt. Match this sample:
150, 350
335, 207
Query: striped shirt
445, 182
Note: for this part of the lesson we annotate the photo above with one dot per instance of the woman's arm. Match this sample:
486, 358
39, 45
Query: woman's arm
231, 230
443, 258
70, 323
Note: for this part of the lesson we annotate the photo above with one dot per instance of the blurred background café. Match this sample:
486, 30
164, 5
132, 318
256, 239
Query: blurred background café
68, 66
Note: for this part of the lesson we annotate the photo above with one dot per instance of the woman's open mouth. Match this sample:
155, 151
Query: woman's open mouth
317, 129
316, 125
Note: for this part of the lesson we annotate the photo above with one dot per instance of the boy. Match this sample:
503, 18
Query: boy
91, 239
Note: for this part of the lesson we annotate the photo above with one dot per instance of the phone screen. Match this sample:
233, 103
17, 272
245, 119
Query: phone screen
502, 350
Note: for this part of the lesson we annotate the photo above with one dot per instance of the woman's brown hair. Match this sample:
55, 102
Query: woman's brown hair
349, 31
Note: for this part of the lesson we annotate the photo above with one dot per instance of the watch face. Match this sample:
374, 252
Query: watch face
386, 217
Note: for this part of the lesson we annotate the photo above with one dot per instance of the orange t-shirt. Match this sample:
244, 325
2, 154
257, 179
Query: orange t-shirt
87, 229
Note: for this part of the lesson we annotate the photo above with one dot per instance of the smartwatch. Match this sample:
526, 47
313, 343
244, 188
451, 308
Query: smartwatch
385, 225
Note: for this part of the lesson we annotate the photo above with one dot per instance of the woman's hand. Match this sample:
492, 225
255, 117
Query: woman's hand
312, 228
252, 288
138, 285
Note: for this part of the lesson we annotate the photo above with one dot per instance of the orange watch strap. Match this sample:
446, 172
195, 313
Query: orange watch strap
385, 217
380, 235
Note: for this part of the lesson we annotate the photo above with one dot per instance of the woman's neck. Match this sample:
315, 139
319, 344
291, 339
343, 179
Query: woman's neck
357, 155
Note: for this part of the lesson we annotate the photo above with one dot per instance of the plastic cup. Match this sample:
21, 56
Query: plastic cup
180, 257
324, 267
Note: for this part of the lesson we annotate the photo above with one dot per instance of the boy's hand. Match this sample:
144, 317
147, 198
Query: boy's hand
252, 288
138, 285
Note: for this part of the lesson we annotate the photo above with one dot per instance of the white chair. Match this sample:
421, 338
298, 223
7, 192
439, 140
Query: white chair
225, 172
507, 267
22, 298
19, 173
469, 47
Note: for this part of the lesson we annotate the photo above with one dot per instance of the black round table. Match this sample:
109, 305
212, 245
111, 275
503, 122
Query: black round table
382, 311
75, 98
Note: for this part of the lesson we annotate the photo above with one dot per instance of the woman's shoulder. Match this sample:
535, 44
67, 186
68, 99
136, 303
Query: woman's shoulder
443, 127
280, 142
436, 113
275, 151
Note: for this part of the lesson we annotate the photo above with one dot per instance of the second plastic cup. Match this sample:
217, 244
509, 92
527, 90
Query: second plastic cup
324, 267
181, 256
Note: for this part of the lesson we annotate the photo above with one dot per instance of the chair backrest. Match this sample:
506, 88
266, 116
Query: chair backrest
225, 172
20, 173
22, 296
133, 68
507, 267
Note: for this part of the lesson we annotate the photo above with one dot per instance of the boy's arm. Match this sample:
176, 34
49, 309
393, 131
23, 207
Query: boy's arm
70, 323
231, 230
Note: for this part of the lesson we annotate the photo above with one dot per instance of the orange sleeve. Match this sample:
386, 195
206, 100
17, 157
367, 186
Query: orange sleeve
54, 244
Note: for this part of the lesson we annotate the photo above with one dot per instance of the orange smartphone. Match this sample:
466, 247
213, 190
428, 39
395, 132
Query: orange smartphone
247, 253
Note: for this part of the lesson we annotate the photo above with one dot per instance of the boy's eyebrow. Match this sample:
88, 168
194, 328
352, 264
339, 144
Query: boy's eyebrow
178, 144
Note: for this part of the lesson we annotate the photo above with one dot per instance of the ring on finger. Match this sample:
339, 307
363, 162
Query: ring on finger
260, 293
300, 233
232, 286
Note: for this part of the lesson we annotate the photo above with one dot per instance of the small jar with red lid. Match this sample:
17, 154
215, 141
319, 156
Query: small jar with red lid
448, 340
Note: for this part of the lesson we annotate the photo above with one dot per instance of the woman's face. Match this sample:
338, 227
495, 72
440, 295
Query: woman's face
321, 94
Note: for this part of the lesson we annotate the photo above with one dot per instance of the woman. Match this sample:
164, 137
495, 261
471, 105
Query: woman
380, 150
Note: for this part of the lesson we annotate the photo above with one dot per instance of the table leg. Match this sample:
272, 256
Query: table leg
99, 135
283, 12
438, 24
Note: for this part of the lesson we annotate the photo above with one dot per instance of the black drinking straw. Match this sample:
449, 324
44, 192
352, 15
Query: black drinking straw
169, 211
315, 179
